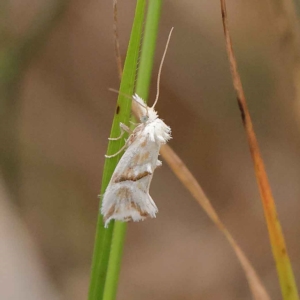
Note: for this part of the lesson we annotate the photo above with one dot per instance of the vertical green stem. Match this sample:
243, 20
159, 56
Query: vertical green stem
103, 240
148, 49
114, 264
143, 83
109, 242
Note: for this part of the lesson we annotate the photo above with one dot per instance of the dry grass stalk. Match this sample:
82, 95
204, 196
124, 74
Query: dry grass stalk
284, 269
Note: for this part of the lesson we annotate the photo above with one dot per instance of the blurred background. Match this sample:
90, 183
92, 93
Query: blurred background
56, 65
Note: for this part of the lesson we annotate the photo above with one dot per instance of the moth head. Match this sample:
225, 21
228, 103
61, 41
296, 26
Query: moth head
148, 114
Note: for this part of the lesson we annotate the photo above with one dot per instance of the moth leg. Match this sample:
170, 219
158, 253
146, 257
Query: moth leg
117, 153
133, 123
123, 129
117, 138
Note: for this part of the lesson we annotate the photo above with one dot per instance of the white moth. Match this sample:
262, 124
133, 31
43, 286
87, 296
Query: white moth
127, 195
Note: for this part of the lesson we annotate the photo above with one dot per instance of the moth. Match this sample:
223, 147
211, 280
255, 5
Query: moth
127, 195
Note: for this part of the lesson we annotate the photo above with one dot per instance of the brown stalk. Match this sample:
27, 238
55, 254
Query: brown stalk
284, 269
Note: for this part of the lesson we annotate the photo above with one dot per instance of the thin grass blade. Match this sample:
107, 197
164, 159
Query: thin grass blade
103, 239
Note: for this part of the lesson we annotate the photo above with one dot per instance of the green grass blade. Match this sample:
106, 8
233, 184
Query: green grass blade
143, 83
114, 265
148, 49
103, 237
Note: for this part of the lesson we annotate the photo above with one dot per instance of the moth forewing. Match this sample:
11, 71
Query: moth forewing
127, 195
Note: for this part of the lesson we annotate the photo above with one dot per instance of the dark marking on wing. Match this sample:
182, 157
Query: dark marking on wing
110, 212
125, 177
124, 193
118, 109
135, 206
140, 158
144, 143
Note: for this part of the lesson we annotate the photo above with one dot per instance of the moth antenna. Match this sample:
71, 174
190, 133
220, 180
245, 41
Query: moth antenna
160, 68
128, 97
118, 92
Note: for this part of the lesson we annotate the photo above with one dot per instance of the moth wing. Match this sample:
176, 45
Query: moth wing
125, 201
127, 195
